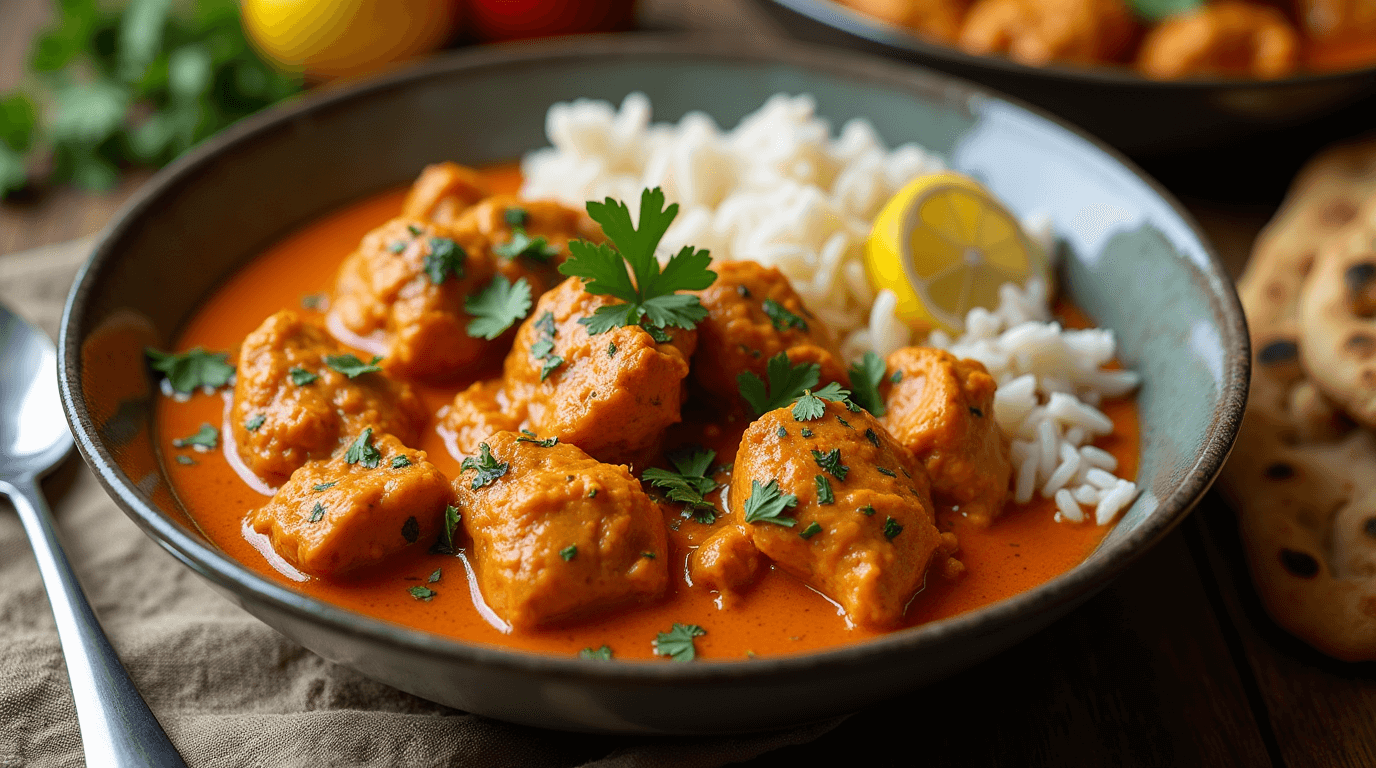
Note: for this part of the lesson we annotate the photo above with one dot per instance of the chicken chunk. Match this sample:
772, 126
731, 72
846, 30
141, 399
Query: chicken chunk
290, 406
1226, 38
527, 238
356, 508
1039, 32
935, 19
612, 394
443, 192
727, 562
557, 535
942, 409
403, 292
754, 314
842, 506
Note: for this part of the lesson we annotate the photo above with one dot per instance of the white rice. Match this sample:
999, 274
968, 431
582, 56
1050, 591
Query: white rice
781, 190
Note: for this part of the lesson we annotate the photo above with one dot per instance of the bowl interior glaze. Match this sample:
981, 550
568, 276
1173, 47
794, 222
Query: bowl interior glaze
1131, 258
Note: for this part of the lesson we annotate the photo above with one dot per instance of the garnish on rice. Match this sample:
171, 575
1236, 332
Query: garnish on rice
649, 292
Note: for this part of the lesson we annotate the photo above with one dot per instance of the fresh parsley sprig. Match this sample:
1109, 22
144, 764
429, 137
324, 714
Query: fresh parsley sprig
650, 294
362, 451
767, 504
189, 371
690, 484
677, 643
351, 366
497, 307
789, 383
865, 377
488, 468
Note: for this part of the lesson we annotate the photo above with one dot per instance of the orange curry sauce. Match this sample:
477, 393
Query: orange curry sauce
779, 615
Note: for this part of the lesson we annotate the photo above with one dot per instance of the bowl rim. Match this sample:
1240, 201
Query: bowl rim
211, 563
856, 24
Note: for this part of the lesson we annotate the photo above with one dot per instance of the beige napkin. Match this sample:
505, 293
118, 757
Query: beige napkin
230, 691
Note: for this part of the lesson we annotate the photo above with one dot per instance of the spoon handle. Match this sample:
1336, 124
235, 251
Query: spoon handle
117, 728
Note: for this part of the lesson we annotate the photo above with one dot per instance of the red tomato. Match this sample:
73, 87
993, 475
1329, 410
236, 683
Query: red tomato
514, 19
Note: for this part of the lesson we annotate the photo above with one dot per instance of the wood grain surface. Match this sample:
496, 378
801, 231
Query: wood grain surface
1175, 663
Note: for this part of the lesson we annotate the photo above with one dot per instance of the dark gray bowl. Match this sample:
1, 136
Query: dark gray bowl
1142, 117
1134, 261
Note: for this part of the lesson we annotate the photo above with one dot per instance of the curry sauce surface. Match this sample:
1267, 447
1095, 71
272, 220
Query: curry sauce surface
779, 615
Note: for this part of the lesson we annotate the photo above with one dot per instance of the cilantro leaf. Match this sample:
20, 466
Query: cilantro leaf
810, 405
865, 377
497, 307
521, 244
207, 438
781, 317
600, 654
787, 383
324, 486
410, 530
569, 552
631, 272
530, 437
362, 451
187, 460
515, 217
486, 465
435, 576
445, 260
444, 545
400, 462
811, 530
677, 643
255, 421
543, 347
189, 371
317, 513
690, 484
422, 593
301, 377
830, 462
824, 492
767, 503
891, 528
351, 366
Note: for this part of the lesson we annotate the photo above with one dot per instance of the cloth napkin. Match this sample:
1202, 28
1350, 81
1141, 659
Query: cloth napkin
228, 689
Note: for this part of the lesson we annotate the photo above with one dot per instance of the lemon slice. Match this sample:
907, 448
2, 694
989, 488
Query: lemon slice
944, 244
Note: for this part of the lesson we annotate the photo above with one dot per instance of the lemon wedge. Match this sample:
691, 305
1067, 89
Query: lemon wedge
944, 244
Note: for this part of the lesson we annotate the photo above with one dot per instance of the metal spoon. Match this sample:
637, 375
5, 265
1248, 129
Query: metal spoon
117, 729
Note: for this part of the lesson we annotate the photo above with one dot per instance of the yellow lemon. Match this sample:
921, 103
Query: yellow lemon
944, 244
327, 39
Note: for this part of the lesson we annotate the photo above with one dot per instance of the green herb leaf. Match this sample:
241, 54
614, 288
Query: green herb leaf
410, 530
648, 291
351, 366
1156, 10
445, 260
435, 577
444, 545
831, 462
569, 552
189, 371
534, 248
363, 452
891, 528
543, 348
887, 471
787, 383
865, 377
677, 643
301, 377
516, 217
767, 504
611, 349
324, 486
781, 317
690, 483
805, 432
549, 365
872, 436
497, 307
187, 460
486, 465
530, 437
255, 421
206, 437
896, 377
601, 654
867, 510
811, 530
317, 514
422, 593
400, 462
824, 492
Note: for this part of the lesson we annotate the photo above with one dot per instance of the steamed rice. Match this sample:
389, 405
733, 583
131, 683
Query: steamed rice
781, 190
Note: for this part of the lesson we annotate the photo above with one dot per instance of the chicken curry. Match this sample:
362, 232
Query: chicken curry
448, 412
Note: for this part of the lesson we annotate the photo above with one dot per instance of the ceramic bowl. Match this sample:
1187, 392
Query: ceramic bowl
1132, 259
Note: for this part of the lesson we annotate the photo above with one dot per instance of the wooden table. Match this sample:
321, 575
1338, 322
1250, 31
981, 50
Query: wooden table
1175, 663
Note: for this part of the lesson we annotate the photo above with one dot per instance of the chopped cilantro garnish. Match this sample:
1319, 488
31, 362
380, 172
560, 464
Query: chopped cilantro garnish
497, 307
543, 348
435, 577
324, 486
530, 437
864, 381
891, 528
787, 383
805, 432
767, 504
831, 462
887, 471
410, 530
362, 451
872, 436
397, 246
486, 465
301, 377
782, 432
743, 292
650, 293
351, 366
690, 483
255, 421
521, 244
569, 552
444, 545
824, 493
844, 423
600, 654
867, 510
515, 216
810, 405
781, 317
648, 555
400, 462
206, 437
317, 514
896, 377
415, 230
189, 371
549, 365
677, 643
445, 260
811, 530
187, 460
422, 593
611, 349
